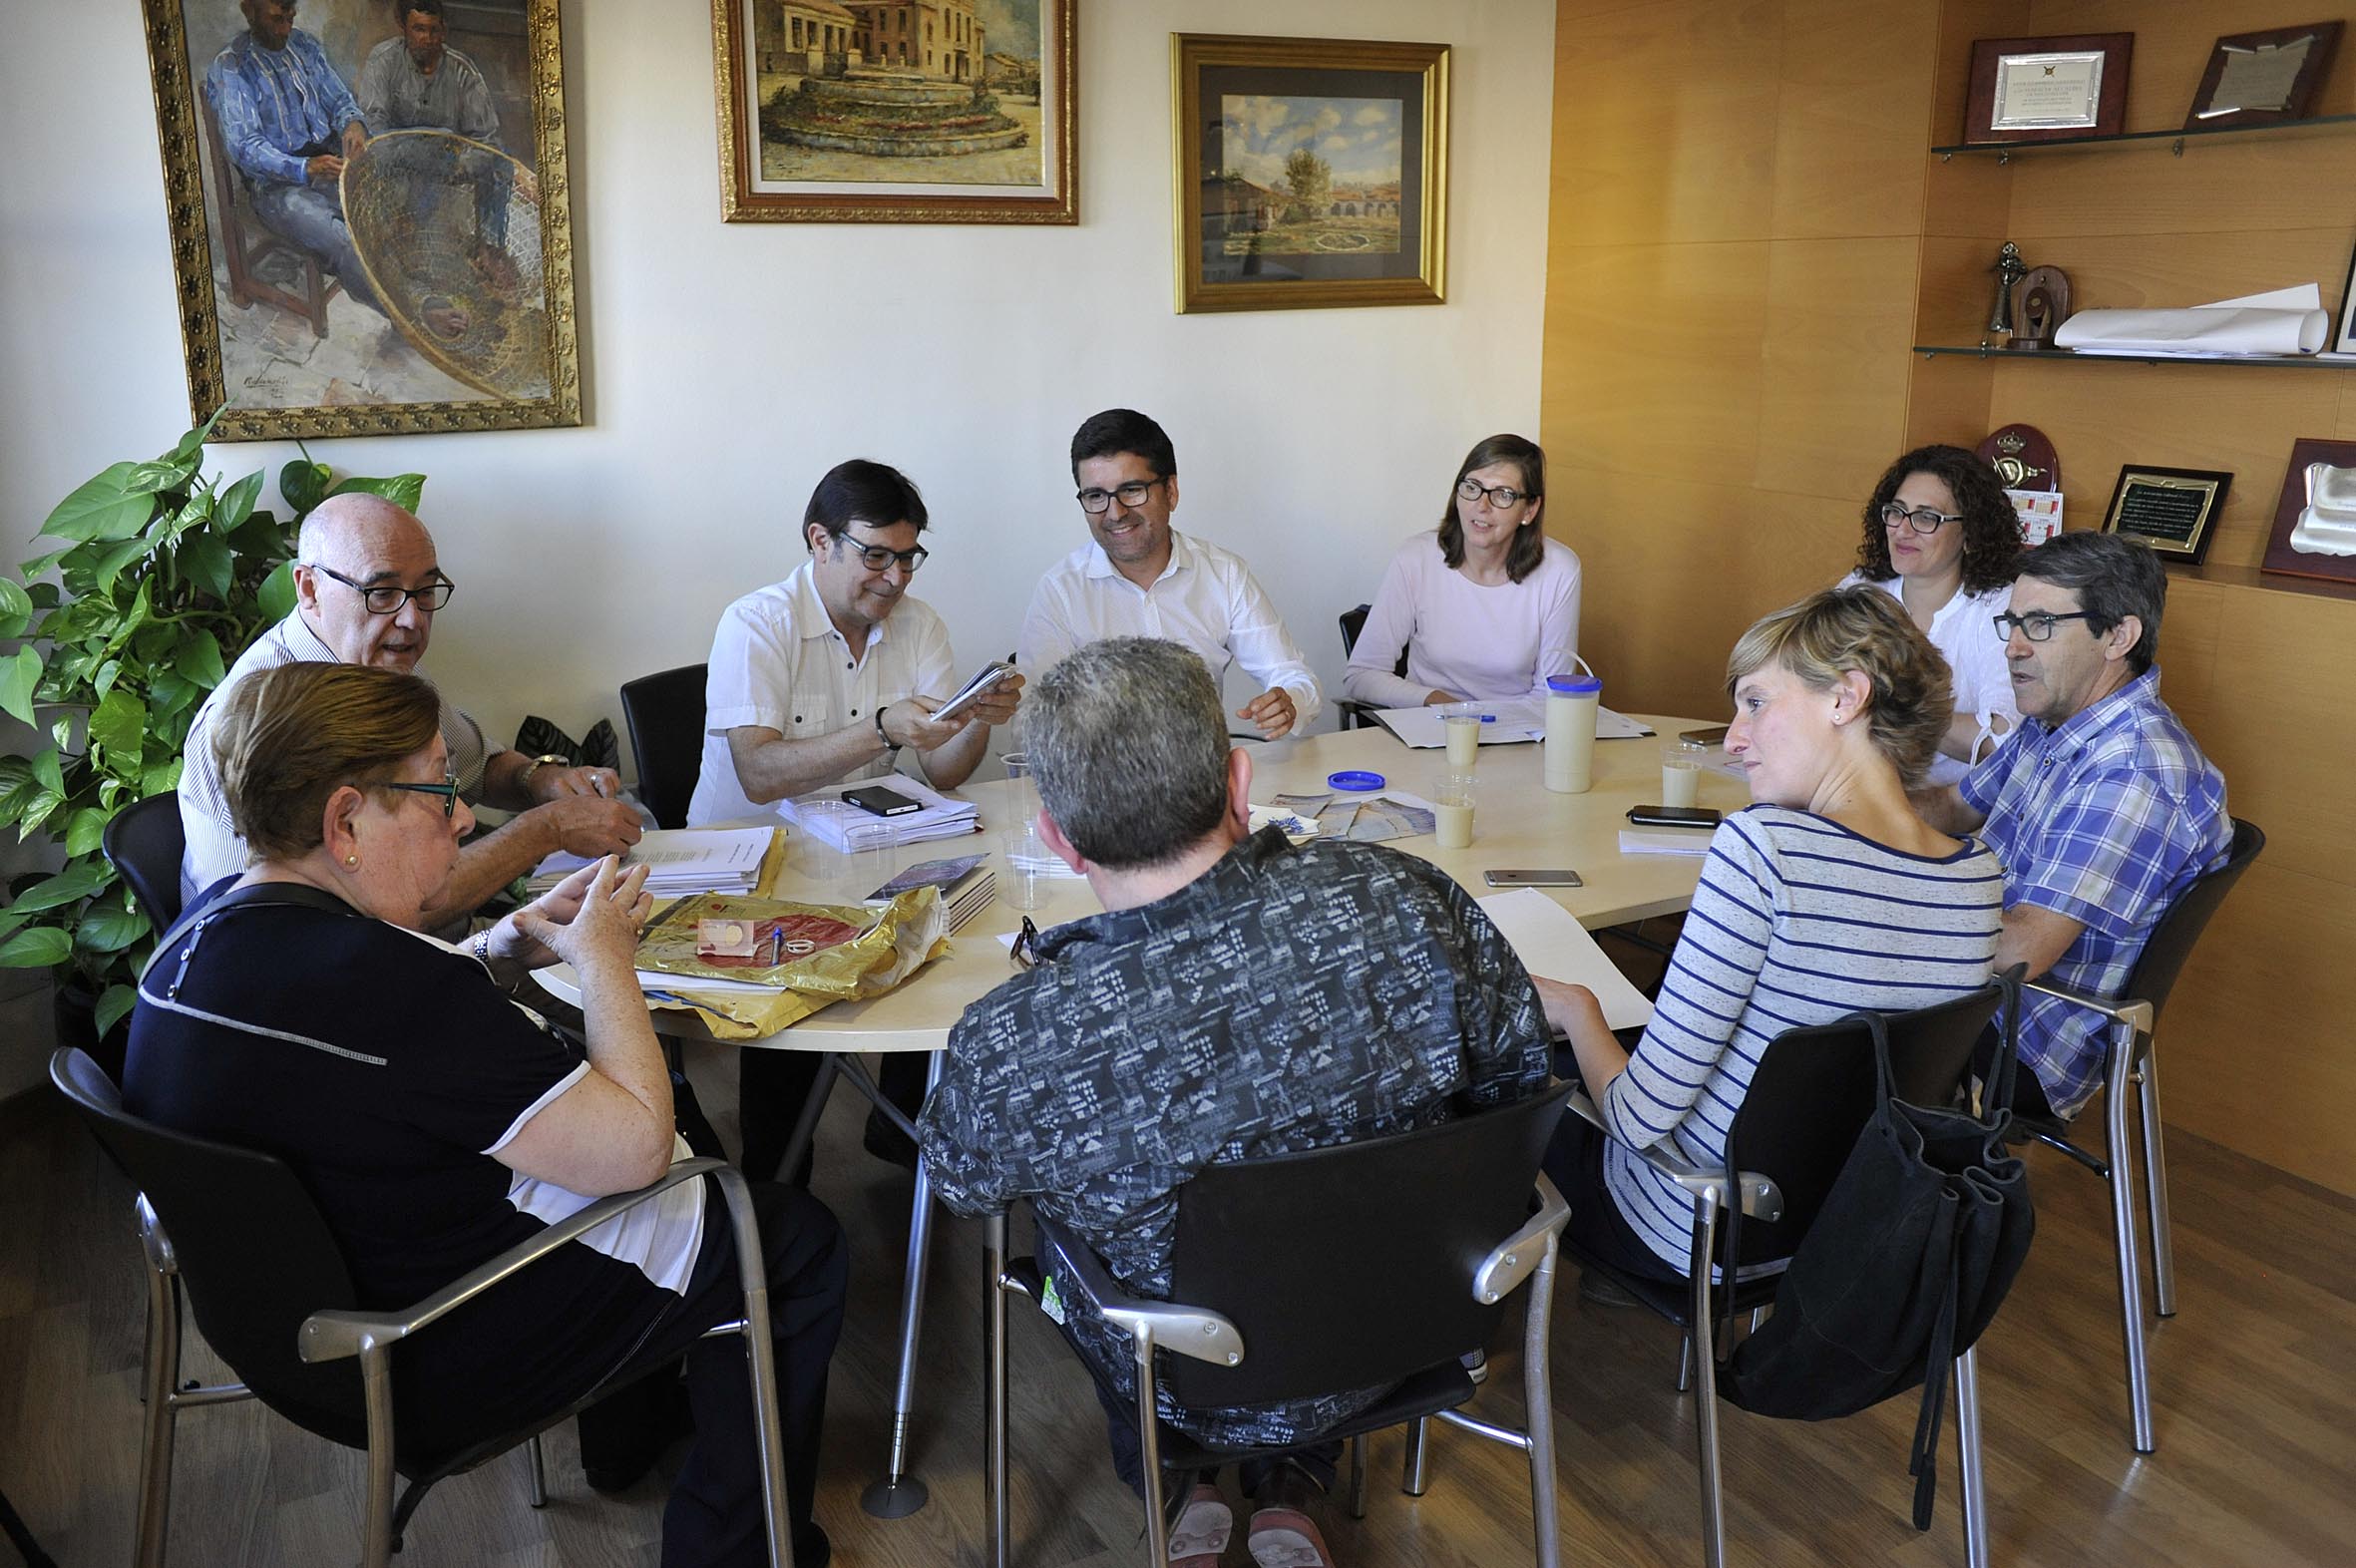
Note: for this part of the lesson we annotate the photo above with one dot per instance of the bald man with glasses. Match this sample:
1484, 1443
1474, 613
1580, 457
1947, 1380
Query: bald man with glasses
367, 585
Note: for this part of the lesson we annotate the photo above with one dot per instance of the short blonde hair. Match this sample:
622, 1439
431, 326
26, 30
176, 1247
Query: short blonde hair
1836, 630
289, 738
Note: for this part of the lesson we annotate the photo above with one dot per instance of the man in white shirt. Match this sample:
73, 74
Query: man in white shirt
367, 583
1141, 579
823, 677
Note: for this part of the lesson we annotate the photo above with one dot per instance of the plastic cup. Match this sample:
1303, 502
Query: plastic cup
1681, 774
1019, 881
1463, 728
869, 850
1019, 801
1452, 805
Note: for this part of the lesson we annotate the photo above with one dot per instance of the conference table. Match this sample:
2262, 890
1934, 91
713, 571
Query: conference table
1517, 823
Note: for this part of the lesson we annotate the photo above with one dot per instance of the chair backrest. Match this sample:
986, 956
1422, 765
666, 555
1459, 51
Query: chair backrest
253, 1253
1814, 1090
1352, 1266
1354, 622
2173, 938
145, 843
664, 713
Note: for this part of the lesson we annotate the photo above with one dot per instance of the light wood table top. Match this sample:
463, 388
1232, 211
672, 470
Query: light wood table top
1518, 822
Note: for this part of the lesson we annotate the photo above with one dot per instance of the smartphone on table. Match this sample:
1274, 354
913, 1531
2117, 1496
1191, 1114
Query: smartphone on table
1673, 816
880, 801
1530, 878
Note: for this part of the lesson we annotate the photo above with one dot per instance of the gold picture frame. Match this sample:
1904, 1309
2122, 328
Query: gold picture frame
1308, 172
275, 338
884, 112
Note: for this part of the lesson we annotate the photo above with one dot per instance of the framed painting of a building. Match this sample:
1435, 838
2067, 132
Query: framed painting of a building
371, 228
896, 111
1308, 172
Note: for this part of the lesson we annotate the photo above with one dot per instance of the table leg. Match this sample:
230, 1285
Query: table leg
898, 1493
830, 1065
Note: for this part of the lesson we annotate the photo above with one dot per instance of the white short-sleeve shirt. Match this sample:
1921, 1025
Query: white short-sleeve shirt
1206, 599
778, 663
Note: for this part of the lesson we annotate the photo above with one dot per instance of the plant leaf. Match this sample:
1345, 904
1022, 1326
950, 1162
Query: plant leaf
37, 812
402, 490
14, 601
103, 928
102, 678
17, 676
237, 503
68, 886
111, 562
85, 830
118, 724
198, 660
162, 779
303, 484
162, 473
41, 947
112, 1003
276, 594
206, 561
98, 509
48, 773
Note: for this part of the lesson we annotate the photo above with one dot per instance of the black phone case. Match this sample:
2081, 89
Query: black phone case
883, 802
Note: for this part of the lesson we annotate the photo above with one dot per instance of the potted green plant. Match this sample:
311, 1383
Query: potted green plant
162, 576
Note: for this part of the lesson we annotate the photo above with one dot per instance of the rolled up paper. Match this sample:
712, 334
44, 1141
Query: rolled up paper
2285, 321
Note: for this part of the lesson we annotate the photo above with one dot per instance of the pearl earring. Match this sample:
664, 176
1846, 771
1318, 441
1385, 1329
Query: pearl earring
351, 860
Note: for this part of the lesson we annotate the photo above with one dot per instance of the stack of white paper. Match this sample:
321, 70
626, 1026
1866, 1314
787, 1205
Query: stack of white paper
679, 860
1550, 943
1663, 841
824, 818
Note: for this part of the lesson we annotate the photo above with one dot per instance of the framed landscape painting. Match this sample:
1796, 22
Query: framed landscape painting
371, 230
1309, 171
896, 111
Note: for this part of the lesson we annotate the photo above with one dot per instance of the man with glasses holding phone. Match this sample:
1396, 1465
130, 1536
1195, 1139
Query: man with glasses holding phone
367, 585
1142, 579
2101, 806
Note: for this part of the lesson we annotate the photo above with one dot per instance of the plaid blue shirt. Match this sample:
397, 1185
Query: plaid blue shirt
272, 102
2106, 818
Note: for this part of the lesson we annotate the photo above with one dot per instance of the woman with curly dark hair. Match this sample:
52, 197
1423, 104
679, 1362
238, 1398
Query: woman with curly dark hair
1941, 537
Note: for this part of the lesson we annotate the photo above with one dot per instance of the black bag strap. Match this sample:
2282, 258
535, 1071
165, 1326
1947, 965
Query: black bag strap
1938, 1363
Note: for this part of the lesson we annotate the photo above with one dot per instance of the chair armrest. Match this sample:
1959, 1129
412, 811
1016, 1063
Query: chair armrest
2128, 1011
1762, 1198
1514, 1259
341, 1331
1175, 1327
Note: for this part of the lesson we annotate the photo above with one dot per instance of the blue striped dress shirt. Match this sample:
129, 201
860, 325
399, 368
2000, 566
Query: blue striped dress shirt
274, 102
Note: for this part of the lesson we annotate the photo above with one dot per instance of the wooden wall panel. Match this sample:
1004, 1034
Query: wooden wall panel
1747, 232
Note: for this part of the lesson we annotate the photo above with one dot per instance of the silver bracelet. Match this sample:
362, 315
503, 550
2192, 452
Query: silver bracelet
483, 946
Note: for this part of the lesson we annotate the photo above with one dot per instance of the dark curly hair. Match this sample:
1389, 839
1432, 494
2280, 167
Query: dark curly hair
1991, 529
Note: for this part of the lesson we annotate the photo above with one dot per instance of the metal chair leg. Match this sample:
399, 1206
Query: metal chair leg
1418, 1476
1967, 1448
1685, 1363
994, 1387
1537, 1389
1702, 1342
2164, 1252
1149, 1452
377, 1386
1357, 1477
898, 1493
2123, 1226
162, 1375
535, 1490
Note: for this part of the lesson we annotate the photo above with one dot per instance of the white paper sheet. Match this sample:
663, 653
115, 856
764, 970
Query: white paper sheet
2280, 321
1517, 719
1551, 943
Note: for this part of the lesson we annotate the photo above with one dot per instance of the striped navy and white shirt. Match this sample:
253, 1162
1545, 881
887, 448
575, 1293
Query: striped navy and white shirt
1796, 921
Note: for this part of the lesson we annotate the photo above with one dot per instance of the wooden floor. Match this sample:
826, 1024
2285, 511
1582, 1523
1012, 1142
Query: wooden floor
2256, 1395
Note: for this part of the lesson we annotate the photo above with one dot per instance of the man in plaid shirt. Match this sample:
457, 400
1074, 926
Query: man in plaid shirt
2099, 805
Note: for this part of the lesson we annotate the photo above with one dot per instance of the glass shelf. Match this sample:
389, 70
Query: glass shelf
1992, 351
2005, 151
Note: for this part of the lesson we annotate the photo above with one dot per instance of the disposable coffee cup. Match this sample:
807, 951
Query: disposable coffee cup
1452, 805
1463, 721
1680, 775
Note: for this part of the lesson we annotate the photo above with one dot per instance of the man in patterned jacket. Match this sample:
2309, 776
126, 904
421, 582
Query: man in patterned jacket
1239, 997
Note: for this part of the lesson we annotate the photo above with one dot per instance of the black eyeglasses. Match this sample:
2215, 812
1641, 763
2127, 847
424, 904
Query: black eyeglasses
1923, 520
386, 598
1498, 496
1025, 950
447, 789
1131, 494
876, 558
2037, 625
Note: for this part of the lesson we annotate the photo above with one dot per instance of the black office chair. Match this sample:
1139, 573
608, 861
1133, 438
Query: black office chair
1354, 622
1809, 1097
664, 713
145, 844
2134, 1021
1340, 1268
250, 1255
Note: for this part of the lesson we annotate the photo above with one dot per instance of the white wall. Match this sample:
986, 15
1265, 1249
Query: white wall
726, 366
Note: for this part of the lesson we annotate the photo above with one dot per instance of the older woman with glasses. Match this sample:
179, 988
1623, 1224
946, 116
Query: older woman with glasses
1483, 606
1942, 540
1826, 896
300, 1009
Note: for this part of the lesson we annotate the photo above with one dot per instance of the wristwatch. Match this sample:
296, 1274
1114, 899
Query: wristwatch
523, 779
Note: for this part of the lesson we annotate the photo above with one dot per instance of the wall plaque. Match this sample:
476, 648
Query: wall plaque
2172, 510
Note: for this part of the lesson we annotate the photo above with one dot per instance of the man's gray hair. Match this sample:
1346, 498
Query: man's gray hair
1128, 746
2113, 578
